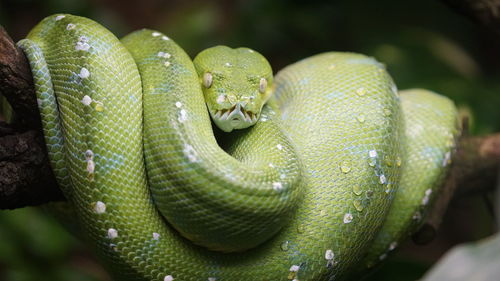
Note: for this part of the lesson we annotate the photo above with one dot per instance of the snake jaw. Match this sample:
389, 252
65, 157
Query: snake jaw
235, 117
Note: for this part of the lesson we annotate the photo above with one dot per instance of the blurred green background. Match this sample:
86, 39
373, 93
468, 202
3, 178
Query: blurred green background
423, 44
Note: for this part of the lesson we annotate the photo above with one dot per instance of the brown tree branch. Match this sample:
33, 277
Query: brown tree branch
26, 178
16, 82
474, 170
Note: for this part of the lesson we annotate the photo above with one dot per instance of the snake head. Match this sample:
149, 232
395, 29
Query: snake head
236, 84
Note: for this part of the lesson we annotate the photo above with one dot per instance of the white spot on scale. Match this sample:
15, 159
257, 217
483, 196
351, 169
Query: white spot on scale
382, 179
82, 44
156, 236
164, 55
212, 279
86, 100
221, 99
277, 186
112, 233
279, 146
329, 255
70, 26
178, 104
60, 17
100, 207
167, 64
393, 245
372, 153
427, 195
228, 64
348, 218
165, 38
182, 115
90, 166
294, 268
84, 73
89, 154
190, 153
168, 278
156, 34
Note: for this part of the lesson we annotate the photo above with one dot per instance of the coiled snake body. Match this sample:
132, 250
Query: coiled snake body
304, 194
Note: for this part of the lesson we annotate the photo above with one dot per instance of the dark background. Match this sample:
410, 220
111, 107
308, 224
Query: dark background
423, 44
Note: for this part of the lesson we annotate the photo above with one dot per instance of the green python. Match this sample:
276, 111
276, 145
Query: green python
333, 170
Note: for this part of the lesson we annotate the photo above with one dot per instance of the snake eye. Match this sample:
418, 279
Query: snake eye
263, 85
207, 79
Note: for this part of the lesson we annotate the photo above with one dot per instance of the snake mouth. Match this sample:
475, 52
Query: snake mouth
234, 118
235, 113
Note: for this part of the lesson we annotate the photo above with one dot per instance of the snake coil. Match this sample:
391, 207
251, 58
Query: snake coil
339, 168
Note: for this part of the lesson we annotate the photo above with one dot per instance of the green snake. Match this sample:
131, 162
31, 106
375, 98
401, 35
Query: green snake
330, 168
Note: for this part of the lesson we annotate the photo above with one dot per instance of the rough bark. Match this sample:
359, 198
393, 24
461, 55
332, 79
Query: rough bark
474, 170
25, 175
16, 82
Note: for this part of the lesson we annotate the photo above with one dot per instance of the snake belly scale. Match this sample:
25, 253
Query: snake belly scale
300, 195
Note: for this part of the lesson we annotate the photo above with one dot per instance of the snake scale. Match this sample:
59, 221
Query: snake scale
334, 169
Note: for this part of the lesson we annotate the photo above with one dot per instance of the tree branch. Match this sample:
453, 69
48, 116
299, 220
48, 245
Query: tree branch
16, 82
26, 178
474, 171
